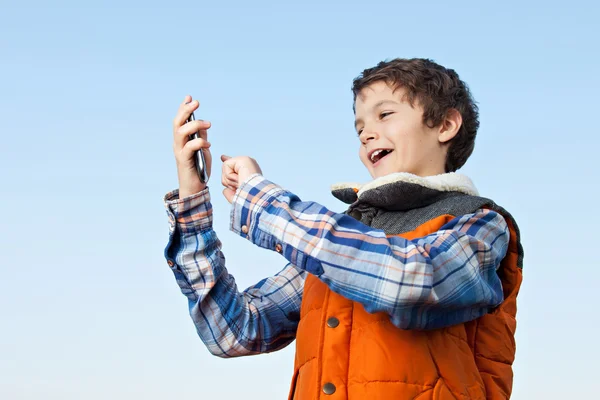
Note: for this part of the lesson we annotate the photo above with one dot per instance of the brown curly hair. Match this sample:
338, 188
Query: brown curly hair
437, 90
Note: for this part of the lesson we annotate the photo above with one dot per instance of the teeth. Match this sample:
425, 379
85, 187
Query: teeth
375, 154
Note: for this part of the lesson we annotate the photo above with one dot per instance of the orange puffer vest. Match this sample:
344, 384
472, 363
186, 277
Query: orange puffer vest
344, 352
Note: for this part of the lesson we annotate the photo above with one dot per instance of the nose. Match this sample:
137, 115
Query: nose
367, 134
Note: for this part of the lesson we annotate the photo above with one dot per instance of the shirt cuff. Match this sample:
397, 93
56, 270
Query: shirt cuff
250, 200
192, 214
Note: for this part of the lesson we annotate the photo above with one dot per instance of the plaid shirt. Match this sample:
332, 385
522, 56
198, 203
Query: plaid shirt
438, 280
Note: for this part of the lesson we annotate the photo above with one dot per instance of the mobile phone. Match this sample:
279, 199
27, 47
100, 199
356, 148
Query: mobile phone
199, 156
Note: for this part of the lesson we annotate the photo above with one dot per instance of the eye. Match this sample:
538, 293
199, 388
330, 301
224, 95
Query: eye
385, 114
359, 132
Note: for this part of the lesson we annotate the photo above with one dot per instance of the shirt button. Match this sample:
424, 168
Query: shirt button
278, 248
244, 229
333, 322
170, 263
329, 388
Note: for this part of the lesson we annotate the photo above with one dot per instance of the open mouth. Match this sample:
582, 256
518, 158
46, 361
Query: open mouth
377, 155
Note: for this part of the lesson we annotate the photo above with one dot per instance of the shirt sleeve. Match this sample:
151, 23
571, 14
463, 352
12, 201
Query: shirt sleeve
442, 279
262, 318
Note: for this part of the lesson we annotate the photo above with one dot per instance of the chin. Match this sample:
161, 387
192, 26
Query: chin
379, 174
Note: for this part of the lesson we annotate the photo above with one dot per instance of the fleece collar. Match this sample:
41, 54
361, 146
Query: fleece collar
403, 191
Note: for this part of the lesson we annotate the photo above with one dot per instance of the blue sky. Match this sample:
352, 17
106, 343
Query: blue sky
87, 94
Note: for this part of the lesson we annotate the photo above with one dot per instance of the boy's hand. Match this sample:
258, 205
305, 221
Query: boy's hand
235, 171
185, 149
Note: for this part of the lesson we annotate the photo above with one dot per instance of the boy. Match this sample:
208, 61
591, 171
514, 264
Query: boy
411, 293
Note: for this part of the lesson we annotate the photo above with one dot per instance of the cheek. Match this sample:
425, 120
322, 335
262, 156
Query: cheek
401, 149
406, 142
362, 154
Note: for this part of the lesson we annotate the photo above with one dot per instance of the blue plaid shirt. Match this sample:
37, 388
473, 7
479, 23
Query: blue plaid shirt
441, 279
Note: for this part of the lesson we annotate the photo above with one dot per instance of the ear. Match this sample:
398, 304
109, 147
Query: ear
450, 126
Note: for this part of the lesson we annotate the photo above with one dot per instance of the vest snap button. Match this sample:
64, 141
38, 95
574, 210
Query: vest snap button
333, 322
329, 388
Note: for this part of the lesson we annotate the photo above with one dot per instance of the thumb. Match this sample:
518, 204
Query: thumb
224, 158
229, 194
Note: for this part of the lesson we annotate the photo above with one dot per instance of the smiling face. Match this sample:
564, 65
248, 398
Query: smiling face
393, 136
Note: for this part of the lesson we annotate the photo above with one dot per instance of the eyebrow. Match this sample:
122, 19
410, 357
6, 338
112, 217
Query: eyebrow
376, 106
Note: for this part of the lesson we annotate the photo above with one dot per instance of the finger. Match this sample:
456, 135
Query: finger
182, 134
189, 150
229, 194
197, 144
228, 166
232, 188
184, 112
231, 182
227, 172
233, 164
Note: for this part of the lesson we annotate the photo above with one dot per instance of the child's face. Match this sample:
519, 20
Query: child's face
386, 122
